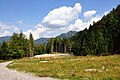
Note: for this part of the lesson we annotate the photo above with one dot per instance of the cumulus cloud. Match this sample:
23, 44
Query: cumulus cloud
88, 14
57, 24
7, 29
59, 20
80, 24
62, 16
98, 17
39, 29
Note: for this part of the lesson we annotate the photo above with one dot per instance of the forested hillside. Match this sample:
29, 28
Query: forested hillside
101, 37
63, 36
41, 41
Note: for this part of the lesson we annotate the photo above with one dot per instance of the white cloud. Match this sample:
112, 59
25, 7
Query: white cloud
57, 24
39, 29
7, 29
20, 22
89, 14
79, 24
105, 13
6, 33
16, 29
95, 19
61, 17
98, 17
59, 20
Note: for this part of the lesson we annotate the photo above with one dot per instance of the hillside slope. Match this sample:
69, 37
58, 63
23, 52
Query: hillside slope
101, 37
67, 35
42, 40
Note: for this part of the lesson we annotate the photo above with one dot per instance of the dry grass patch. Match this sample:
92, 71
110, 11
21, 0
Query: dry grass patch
71, 67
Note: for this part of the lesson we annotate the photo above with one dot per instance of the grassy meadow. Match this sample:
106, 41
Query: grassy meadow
72, 67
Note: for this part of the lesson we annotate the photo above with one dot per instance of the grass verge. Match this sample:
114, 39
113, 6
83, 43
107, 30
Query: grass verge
3, 61
72, 68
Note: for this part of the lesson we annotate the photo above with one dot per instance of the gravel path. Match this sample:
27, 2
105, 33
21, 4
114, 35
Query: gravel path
6, 74
51, 55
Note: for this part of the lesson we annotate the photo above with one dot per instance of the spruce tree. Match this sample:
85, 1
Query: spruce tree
31, 45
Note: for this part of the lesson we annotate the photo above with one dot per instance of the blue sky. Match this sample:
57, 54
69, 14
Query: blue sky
29, 15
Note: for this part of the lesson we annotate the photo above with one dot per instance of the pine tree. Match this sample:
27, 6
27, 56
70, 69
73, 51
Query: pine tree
4, 53
65, 45
31, 45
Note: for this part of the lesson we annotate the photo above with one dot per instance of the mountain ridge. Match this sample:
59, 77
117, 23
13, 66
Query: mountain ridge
67, 35
5, 38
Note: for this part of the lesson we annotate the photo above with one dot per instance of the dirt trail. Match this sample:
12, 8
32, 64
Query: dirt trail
7, 74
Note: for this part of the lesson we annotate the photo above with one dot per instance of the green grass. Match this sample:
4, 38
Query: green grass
3, 61
72, 68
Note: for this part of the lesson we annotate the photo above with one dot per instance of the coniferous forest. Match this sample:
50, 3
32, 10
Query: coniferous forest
18, 46
101, 38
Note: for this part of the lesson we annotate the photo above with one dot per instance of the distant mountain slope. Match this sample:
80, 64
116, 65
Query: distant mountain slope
5, 38
63, 35
67, 35
41, 40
